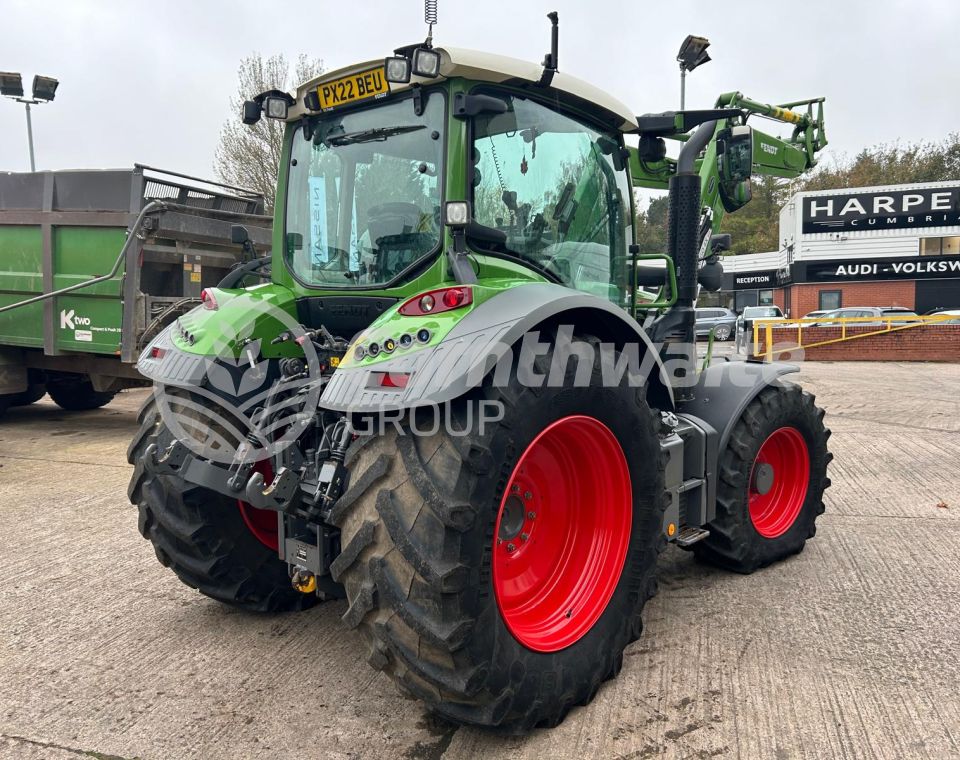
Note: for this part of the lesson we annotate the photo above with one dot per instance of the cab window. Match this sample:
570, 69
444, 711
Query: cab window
558, 189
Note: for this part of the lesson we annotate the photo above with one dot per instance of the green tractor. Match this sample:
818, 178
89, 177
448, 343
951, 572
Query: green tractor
462, 398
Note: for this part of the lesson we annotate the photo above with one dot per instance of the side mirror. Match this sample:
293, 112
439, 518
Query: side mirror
720, 242
735, 166
239, 234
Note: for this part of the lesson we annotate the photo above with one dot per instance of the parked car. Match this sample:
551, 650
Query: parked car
954, 313
746, 319
849, 312
722, 321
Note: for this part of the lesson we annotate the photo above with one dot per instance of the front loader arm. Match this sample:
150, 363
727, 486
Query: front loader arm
772, 156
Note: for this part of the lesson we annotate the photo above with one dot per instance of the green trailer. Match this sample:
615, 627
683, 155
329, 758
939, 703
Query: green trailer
94, 264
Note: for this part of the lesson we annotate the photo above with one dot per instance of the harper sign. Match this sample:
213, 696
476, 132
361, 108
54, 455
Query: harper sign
915, 268
896, 209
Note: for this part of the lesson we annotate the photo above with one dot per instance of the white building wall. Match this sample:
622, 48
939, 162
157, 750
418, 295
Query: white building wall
868, 243
754, 262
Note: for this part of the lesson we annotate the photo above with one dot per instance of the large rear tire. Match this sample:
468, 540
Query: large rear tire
432, 529
773, 473
209, 542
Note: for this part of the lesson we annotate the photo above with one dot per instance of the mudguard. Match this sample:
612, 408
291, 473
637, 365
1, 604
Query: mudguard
722, 392
472, 348
725, 389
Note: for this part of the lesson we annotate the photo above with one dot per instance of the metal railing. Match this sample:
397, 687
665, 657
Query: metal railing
784, 328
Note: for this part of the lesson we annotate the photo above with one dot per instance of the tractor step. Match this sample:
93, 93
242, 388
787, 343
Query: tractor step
688, 536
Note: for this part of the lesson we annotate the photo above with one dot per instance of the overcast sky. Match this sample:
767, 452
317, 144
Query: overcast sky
150, 82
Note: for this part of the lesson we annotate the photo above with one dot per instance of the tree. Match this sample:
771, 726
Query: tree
756, 226
891, 164
652, 226
249, 156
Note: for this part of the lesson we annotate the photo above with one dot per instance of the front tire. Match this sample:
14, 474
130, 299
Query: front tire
426, 554
205, 538
773, 473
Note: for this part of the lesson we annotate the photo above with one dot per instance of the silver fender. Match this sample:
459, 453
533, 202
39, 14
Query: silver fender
446, 371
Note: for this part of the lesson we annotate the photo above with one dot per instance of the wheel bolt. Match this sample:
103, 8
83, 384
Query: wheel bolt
516, 488
499, 541
528, 496
511, 547
531, 515
524, 536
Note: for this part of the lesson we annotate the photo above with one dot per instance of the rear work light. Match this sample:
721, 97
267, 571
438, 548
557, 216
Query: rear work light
397, 69
275, 107
436, 301
208, 300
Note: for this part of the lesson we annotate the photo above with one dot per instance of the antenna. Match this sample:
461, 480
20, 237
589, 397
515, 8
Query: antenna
430, 18
550, 60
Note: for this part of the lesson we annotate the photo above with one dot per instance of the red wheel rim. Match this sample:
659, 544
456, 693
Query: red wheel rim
779, 479
561, 534
262, 523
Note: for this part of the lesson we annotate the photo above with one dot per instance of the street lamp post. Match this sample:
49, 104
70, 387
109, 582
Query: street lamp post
693, 53
44, 90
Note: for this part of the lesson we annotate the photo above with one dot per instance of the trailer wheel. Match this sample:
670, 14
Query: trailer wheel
33, 393
212, 543
773, 473
498, 572
77, 394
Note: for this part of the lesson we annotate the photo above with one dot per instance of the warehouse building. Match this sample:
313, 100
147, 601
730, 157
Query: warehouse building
896, 245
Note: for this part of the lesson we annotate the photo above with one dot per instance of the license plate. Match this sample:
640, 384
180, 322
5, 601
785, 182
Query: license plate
349, 89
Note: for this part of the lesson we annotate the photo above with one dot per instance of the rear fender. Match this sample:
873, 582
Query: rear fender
473, 348
723, 392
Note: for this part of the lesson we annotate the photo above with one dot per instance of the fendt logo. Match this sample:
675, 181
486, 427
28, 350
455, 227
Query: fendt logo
69, 320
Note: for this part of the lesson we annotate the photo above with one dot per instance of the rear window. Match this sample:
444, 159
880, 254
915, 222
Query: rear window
898, 312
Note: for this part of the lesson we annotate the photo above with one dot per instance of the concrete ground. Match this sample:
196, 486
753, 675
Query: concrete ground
847, 650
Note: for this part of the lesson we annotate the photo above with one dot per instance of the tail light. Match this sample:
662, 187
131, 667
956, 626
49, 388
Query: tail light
208, 300
436, 301
396, 380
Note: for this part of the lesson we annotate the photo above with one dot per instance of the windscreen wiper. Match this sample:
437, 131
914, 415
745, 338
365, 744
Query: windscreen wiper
378, 134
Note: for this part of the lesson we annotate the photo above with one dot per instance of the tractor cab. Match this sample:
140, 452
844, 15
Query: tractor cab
369, 164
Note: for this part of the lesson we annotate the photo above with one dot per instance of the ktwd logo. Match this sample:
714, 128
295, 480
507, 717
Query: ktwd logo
931, 207
69, 320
